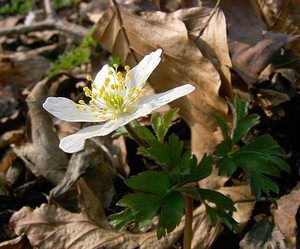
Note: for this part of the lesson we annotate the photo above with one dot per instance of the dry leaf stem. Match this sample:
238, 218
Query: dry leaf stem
119, 17
187, 236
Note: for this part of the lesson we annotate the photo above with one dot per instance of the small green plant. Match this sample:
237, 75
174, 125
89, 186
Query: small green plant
162, 193
14, 7
74, 58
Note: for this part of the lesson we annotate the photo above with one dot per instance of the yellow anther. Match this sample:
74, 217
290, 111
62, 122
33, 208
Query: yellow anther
143, 84
84, 109
133, 89
86, 89
137, 91
129, 95
106, 83
128, 75
121, 86
107, 80
127, 68
94, 85
89, 77
110, 72
81, 102
115, 65
103, 117
96, 115
104, 112
92, 102
92, 109
125, 109
87, 93
143, 91
113, 86
77, 106
136, 99
130, 107
94, 95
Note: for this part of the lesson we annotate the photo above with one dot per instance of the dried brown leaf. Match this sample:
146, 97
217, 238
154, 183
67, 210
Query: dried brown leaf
16, 243
182, 63
51, 227
282, 16
250, 44
42, 155
285, 214
90, 205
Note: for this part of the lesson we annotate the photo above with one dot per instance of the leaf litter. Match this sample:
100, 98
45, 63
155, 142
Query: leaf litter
219, 46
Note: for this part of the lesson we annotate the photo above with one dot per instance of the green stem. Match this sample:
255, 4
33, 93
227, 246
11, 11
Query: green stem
187, 236
135, 136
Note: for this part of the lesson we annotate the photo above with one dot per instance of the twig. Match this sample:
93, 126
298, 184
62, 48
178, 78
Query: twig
119, 17
209, 18
78, 32
188, 210
48, 9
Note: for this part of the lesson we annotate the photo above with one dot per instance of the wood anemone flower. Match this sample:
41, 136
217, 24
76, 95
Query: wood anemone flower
115, 100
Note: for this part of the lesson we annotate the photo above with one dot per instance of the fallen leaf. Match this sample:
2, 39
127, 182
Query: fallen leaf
282, 16
42, 155
90, 205
285, 214
16, 243
251, 45
97, 173
263, 235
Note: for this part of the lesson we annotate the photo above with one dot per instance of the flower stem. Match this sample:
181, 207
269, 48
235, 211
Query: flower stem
187, 237
135, 136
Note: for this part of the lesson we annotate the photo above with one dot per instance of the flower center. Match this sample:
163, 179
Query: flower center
113, 97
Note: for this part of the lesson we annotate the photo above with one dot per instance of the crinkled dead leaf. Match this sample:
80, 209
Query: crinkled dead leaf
90, 204
182, 63
42, 155
97, 172
16, 243
263, 235
250, 43
51, 227
285, 214
282, 16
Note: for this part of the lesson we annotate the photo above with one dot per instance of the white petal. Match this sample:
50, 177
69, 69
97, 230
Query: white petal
158, 100
64, 109
102, 74
75, 142
142, 71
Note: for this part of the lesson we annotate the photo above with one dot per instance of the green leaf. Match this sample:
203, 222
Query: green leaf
226, 166
161, 124
243, 127
261, 159
217, 198
199, 172
140, 209
150, 182
144, 133
222, 125
170, 214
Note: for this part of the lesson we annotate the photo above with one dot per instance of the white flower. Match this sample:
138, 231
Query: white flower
115, 100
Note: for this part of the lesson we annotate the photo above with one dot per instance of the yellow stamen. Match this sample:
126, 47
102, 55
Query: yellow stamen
92, 102
92, 109
77, 106
127, 68
115, 65
110, 72
89, 77
94, 85
86, 89
81, 102
107, 80
96, 115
